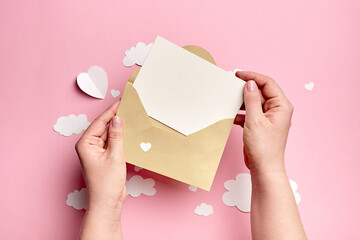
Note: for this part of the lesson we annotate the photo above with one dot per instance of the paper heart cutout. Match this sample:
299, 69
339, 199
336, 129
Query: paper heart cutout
115, 93
94, 82
145, 146
309, 86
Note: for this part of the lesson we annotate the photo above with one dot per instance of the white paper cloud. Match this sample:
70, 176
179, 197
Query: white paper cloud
204, 210
239, 192
68, 125
136, 55
78, 199
192, 188
294, 188
137, 186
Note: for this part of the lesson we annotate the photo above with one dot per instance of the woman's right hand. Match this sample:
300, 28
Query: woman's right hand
274, 213
266, 125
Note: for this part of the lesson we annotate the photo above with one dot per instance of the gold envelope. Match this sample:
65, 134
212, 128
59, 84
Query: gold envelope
191, 159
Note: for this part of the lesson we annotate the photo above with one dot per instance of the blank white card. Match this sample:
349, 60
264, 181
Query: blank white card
184, 91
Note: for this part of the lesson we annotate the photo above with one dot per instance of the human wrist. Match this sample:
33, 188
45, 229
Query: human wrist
267, 165
267, 171
102, 223
104, 212
267, 180
105, 201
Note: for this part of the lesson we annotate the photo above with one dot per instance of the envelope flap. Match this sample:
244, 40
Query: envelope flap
131, 109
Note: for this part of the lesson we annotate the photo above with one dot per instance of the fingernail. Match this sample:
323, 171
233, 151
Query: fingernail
237, 71
251, 86
116, 121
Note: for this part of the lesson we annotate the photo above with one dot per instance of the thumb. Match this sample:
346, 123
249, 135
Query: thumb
115, 137
252, 100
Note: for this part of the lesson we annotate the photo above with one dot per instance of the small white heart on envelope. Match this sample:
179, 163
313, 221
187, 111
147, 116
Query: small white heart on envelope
94, 82
309, 86
145, 146
115, 93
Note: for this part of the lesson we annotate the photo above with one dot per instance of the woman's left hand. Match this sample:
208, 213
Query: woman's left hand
100, 150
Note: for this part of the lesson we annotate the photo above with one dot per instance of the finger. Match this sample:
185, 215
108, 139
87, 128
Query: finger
262, 97
252, 101
240, 120
268, 86
115, 138
262, 101
104, 135
98, 126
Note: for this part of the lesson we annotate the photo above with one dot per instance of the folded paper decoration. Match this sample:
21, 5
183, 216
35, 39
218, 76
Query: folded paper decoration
182, 104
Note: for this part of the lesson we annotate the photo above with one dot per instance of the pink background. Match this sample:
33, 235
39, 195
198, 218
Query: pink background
45, 44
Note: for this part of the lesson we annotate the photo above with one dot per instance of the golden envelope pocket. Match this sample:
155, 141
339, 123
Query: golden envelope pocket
191, 159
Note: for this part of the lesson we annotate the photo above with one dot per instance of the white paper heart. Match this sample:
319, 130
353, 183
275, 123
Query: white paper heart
115, 93
94, 82
309, 86
145, 146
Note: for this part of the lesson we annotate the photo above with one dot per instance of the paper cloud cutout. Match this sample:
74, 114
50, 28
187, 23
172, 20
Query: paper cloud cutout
294, 188
136, 55
78, 199
94, 82
204, 210
239, 192
192, 188
68, 125
137, 186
